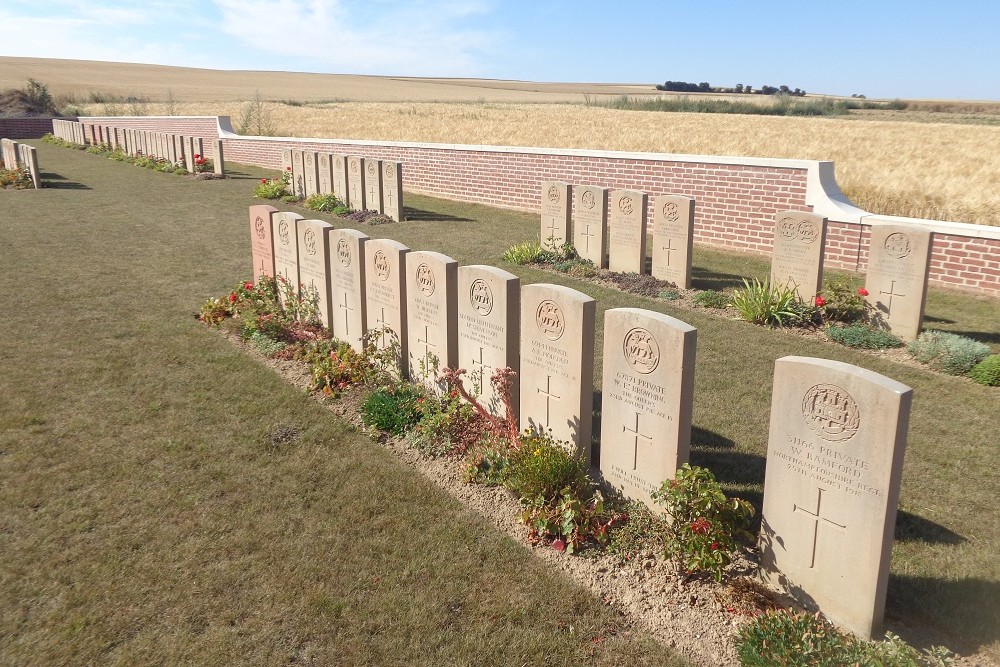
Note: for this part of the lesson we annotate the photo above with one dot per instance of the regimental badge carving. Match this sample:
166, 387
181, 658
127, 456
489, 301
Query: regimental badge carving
425, 280
389, 172
344, 252
355, 166
550, 321
381, 263
372, 169
787, 228
588, 199
808, 231
898, 245
641, 350
309, 239
310, 159
553, 194
481, 297
670, 212
259, 227
283, 232
831, 412
625, 205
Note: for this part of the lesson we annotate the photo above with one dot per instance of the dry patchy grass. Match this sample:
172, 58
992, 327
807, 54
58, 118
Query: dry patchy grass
918, 169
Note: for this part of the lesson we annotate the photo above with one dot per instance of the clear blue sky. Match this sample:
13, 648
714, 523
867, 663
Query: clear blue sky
915, 49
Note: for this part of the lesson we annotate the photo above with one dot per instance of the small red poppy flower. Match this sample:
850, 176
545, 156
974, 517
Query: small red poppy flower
263, 180
714, 546
820, 302
559, 545
862, 291
247, 285
233, 297
288, 168
197, 155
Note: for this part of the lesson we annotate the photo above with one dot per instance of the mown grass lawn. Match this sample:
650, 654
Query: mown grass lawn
147, 514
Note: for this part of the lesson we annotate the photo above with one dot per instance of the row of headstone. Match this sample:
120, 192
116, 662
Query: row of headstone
610, 227
21, 156
895, 281
180, 150
68, 130
837, 432
362, 184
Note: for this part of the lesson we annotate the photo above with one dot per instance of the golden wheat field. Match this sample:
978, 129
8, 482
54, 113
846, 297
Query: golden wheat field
939, 159
940, 171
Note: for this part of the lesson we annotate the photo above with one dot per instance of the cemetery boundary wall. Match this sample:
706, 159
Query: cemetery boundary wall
737, 197
26, 127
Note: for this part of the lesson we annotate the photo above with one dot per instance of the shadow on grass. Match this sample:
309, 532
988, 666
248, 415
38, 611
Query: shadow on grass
971, 601
704, 279
59, 182
938, 320
913, 528
419, 215
240, 175
988, 337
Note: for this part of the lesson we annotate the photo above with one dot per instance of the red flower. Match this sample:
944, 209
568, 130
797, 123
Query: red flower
559, 545
197, 155
862, 291
232, 297
263, 180
247, 285
701, 525
714, 546
820, 301
288, 168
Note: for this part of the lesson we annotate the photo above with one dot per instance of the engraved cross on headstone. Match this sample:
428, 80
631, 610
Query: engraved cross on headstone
552, 230
382, 326
587, 234
427, 348
347, 314
637, 434
891, 293
817, 517
547, 392
669, 248
482, 369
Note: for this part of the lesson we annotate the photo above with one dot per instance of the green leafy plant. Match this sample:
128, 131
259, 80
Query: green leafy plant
987, 371
393, 409
711, 299
841, 302
806, 640
215, 310
338, 366
705, 525
669, 294
569, 521
271, 188
327, 203
771, 305
545, 467
264, 344
18, 179
448, 425
521, 254
489, 466
948, 352
863, 336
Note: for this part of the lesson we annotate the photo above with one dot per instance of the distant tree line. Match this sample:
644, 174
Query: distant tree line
740, 89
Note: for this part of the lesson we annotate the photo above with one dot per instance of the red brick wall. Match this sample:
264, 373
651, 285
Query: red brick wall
736, 202
30, 127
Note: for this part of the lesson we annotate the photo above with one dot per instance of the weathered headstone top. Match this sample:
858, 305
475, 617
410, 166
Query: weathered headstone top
831, 488
356, 183
373, 185
286, 249
488, 332
590, 223
557, 363
648, 395
261, 241
673, 239
314, 266
898, 262
392, 190
555, 213
385, 290
432, 313
797, 258
627, 231
347, 286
